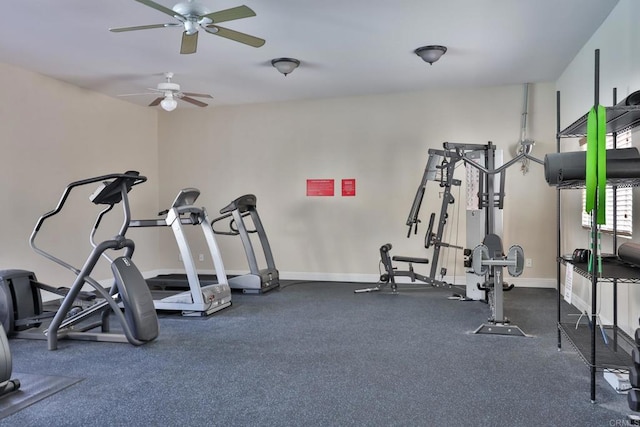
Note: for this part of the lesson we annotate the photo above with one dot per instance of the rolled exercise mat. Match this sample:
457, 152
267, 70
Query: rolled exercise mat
632, 99
570, 166
629, 252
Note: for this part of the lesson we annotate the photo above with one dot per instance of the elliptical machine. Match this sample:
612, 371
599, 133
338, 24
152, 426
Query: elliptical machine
21, 305
7, 385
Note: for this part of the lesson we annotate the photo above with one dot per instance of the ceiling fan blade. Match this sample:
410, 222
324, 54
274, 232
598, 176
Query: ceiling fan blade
194, 101
197, 95
156, 101
189, 43
160, 8
139, 27
136, 94
230, 14
235, 35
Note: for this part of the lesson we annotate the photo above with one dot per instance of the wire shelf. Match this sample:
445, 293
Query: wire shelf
614, 354
619, 118
612, 269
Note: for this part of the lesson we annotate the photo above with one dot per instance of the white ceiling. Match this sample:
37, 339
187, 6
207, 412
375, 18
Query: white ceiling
346, 47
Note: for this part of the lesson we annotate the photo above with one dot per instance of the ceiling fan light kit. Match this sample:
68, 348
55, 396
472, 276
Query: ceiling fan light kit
285, 65
170, 94
169, 103
430, 53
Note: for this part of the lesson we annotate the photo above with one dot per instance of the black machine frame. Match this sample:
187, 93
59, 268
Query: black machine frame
440, 168
128, 299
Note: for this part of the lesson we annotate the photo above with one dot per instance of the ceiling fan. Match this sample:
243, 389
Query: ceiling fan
171, 93
192, 15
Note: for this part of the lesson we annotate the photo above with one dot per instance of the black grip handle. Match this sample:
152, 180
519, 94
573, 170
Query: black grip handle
427, 237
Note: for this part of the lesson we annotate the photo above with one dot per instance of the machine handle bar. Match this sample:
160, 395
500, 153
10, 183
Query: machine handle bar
130, 176
130, 179
234, 229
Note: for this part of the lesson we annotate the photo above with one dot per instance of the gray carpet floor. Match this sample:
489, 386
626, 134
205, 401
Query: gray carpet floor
316, 354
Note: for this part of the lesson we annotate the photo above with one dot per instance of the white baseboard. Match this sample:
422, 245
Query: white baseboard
580, 304
373, 278
360, 277
533, 283
330, 277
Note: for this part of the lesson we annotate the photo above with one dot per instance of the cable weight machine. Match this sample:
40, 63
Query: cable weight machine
484, 203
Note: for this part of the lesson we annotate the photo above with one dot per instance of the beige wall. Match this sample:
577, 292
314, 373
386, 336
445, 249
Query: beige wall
619, 42
52, 134
381, 141
269, 150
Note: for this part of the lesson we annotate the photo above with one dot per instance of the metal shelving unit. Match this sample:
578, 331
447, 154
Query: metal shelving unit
619, 118
612, 345
614, 182
601, 347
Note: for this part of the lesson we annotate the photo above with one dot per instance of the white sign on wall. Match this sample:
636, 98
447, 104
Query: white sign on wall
568, 283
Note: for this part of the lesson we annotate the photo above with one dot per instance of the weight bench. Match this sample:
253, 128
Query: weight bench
391, 272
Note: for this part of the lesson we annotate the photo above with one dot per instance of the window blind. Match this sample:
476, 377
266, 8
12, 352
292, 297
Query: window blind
624, 196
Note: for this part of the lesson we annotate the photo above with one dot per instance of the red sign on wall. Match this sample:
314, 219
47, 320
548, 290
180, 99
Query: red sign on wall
320, 187
348, 187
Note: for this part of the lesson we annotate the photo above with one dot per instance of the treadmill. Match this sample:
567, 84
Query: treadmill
203, 297
257, 280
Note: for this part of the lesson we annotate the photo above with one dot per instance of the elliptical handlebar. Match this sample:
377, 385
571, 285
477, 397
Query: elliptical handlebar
114, 189
131, 178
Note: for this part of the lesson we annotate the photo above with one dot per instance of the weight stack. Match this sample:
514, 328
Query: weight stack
633, 397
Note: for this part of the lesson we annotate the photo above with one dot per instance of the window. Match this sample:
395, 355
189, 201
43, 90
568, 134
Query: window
624, 196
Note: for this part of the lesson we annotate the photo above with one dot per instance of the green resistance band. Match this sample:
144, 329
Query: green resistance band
591, 252
596, 164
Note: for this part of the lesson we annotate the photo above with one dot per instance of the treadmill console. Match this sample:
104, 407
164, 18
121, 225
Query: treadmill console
186, 197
